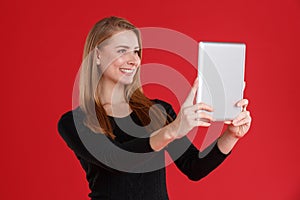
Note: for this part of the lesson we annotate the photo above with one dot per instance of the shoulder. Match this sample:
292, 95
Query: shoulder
66, 123
68, 117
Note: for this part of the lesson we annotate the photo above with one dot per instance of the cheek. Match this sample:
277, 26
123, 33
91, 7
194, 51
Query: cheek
111, 63
119, 62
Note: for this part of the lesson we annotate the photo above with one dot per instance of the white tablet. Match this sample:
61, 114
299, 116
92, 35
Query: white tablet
221, 77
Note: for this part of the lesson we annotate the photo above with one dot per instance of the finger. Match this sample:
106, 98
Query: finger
243, 103
203, 117
244, 108
202, 106
241, 116
191, 96
243, 122
201, 123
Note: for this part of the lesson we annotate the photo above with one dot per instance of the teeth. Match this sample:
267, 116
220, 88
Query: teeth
127, 70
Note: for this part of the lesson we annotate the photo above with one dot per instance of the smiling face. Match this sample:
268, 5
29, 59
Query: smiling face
118, 58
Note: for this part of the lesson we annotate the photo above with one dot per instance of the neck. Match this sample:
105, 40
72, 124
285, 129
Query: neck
111, 93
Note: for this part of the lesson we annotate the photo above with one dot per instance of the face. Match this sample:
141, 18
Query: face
118, 58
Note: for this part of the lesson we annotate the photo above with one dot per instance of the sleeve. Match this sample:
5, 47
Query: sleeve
189, 159
99, 150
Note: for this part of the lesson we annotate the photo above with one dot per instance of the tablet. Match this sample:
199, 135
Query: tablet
221, 77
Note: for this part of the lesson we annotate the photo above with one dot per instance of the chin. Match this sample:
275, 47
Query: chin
125, 82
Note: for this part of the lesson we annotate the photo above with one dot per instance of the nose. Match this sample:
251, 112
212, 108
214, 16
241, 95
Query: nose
133, 59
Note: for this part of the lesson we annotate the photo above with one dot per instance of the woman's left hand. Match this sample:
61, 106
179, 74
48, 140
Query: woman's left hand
241, 124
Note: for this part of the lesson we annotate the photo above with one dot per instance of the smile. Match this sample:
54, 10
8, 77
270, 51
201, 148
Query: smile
125, 70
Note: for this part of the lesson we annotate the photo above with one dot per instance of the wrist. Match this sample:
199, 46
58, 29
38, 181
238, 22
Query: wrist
171, 132
230, 136
162, 137
227, 141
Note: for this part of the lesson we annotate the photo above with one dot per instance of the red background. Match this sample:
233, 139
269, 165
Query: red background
41, 49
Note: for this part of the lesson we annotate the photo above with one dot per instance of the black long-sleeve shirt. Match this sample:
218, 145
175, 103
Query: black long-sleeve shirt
127, 167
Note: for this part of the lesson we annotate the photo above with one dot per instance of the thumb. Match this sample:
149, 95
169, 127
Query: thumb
191, 96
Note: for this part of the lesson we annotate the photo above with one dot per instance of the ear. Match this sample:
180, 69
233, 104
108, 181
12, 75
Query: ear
98, 56
98, 60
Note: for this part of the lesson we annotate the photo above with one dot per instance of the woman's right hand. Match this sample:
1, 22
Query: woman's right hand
191, 115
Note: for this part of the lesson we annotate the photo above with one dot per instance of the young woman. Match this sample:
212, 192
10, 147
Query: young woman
120, 136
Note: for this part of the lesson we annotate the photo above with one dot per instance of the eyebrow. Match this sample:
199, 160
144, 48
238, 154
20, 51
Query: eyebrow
126, 47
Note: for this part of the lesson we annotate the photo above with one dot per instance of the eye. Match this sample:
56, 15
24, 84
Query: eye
121, 51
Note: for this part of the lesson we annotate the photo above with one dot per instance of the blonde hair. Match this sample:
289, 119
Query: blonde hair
90, 74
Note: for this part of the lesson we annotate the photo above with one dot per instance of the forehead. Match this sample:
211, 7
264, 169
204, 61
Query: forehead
128, 38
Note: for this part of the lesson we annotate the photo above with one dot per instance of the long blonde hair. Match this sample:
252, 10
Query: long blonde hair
90, 74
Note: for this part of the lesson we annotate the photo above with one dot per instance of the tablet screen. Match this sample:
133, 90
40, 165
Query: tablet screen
221, 77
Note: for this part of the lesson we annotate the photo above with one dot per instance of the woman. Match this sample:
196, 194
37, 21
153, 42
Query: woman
120, 136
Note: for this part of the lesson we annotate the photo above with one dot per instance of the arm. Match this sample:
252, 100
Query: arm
236, 129
188, 158
226, 142
190, 116
106, 153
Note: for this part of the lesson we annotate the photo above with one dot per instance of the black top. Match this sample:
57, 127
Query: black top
127, 167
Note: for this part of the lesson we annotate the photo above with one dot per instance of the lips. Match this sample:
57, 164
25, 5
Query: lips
127, 71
